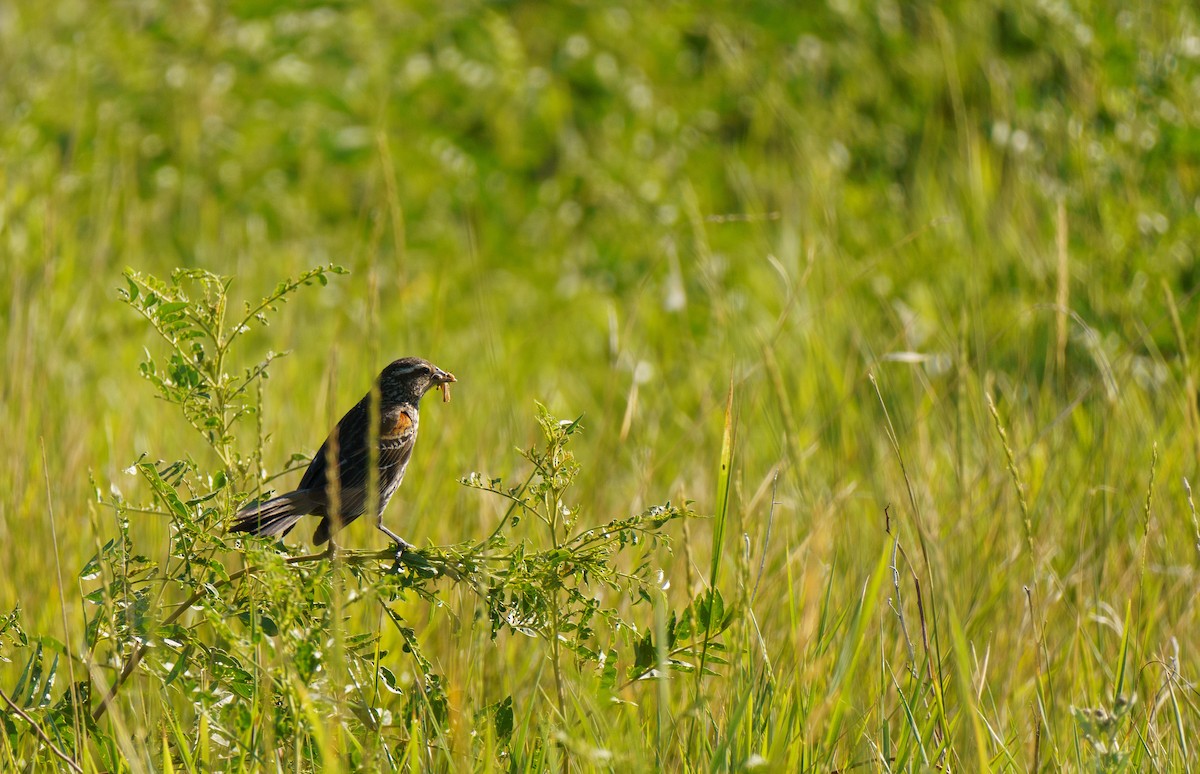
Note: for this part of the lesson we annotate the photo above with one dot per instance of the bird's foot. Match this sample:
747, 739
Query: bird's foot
402, 545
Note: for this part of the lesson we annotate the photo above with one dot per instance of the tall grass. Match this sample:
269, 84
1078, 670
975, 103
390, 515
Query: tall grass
946, 253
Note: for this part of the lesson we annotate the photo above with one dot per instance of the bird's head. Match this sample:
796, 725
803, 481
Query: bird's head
407, 379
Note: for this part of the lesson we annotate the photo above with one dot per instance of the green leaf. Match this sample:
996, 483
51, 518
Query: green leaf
724, 478
164, 491
503, 719
608, 672
644, 656
1123, 659
390, 682
91, 570
34, 685
180, 666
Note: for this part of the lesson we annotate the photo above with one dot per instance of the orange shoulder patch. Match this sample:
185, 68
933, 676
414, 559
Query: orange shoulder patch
401, 426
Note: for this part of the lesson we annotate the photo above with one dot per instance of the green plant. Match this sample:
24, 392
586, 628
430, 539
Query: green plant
246, 656
1103, 731
551, 593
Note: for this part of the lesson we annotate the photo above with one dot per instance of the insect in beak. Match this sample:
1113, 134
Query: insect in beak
444, 379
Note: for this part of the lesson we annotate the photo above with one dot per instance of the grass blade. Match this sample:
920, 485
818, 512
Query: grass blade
721, 518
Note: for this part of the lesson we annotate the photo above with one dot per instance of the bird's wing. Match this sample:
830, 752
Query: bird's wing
397, 437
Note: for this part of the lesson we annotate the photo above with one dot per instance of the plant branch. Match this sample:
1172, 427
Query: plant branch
41, 734
139, 650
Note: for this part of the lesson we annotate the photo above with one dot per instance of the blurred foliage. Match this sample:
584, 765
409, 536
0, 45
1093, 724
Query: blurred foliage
610, 209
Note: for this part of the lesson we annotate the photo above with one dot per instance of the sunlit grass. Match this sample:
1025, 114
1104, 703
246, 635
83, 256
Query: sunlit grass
958, 530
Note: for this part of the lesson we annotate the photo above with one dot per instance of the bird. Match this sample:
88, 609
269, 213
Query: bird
401, 384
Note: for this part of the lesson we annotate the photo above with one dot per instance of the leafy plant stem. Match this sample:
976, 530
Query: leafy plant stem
46, 740
139, 650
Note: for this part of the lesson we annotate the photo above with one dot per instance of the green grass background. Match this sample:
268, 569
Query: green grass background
613, 209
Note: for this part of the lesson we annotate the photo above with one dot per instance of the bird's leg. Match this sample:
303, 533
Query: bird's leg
401, 544
331, 552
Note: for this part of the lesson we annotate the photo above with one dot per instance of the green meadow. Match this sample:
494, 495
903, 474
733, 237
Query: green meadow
827, 384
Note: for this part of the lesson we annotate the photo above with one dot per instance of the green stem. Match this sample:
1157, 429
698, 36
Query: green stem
139, 650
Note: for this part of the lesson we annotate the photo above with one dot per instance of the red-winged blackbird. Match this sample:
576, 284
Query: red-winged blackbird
401, 386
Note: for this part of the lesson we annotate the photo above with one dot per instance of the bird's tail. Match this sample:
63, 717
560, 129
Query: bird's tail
275, 517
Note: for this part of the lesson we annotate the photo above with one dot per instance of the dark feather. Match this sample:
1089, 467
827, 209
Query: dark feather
276, 517
401, 385
353, 462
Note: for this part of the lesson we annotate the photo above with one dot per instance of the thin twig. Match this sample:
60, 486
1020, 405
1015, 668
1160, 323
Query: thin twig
508, 513
41, 734
898, 605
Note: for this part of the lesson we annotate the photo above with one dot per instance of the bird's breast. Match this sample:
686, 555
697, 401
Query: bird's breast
398, 427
